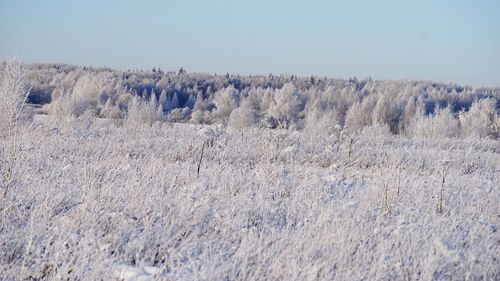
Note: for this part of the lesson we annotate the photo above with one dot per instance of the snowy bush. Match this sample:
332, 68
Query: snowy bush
179, 115
111, 110
14, 91
319, 123
60, 110
442, 124
481, 120
143, 112
85, 94
376, 131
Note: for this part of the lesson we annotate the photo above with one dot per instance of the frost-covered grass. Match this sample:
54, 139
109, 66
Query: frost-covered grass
92, 200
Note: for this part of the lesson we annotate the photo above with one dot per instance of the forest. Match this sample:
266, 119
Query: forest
315, 104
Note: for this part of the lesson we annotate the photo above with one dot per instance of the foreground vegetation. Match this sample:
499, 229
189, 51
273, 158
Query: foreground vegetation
267, 204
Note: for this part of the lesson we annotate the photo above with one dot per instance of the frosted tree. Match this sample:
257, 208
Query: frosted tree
387, 111
244, 116
287, 105
320, 119
86, 92
163, 100
200, 112
264, 98
359, 114
225, 101
173, 102
409, 111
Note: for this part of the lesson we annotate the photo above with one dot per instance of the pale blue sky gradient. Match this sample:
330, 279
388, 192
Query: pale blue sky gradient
441, 40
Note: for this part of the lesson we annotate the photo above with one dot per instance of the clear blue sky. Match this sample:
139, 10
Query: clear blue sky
441, 40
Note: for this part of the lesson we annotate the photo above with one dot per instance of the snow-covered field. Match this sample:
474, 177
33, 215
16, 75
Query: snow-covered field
92, 200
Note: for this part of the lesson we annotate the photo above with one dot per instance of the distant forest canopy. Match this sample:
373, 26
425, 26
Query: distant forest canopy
318, 104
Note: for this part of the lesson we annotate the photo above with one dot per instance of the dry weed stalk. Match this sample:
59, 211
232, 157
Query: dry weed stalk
351, 140
439, 207
201, 158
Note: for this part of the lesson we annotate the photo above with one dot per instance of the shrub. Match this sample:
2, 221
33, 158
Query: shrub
376, 130
387, 111
322, 123
441, 124
85, 94
179, 115
60, 109
482, 120
143, 112
14, 90
111, 110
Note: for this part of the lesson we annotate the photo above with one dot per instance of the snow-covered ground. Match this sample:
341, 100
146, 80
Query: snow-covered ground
91, 200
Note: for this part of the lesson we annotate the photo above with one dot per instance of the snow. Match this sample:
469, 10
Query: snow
134, 273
